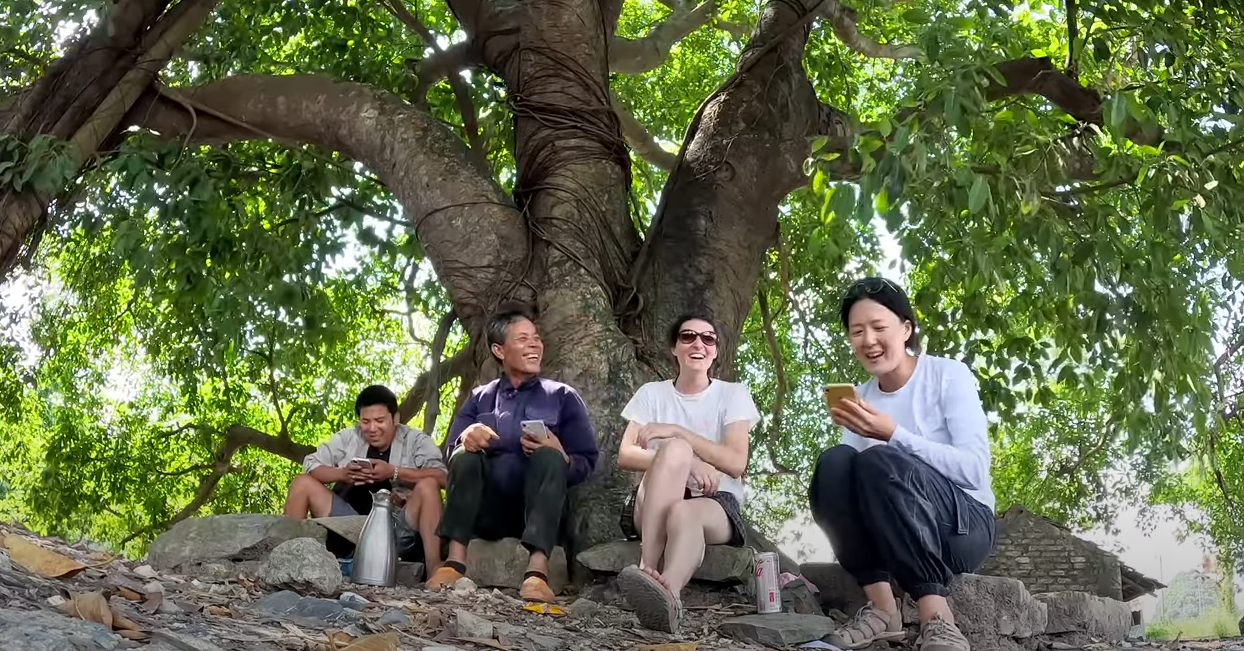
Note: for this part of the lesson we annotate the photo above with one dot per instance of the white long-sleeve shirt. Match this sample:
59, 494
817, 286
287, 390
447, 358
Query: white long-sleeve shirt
939, 418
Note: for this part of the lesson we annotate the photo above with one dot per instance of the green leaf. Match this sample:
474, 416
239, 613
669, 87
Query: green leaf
978, 196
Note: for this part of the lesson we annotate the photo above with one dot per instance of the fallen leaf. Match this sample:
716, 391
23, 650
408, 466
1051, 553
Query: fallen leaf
383, 642
545, 609
123, 623
39, 560
680, 646
92, 607
188, 607
128, 595
219, 611
132, 635
338, 639
154, 599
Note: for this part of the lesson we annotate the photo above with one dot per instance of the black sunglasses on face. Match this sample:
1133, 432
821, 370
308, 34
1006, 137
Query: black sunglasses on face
688, 337
869, 286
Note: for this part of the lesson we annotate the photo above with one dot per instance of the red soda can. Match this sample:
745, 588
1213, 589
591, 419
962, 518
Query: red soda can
768, 594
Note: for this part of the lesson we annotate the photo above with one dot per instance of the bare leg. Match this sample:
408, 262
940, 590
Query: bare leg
457, 552
423, 511
691, 525
882, 597
931, 606
662, 488
308, 495
538, 562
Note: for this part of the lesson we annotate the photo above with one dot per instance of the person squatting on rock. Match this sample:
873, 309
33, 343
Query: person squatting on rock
690, 438
907, 494
506, 480
404, 461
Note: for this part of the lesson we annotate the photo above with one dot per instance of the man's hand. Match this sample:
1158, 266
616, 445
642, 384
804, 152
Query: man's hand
530, 444
364, 476
705, 476
655, 431
863, 419
477, 437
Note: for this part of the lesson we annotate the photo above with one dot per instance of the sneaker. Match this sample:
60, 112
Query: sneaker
536, 589
443, 577
869, 625
937, 635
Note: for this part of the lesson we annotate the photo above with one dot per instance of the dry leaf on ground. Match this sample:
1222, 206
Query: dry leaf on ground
545, 609
219, 611
383, 642
39, 560
483, 641
92, 607
128, 595
680, 646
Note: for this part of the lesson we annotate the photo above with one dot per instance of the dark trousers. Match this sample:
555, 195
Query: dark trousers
888, 514
476, 508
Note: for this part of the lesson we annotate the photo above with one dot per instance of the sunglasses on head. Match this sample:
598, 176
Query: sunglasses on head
869, 286
688, 337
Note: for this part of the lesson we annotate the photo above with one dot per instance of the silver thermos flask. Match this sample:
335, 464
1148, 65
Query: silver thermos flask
375, 556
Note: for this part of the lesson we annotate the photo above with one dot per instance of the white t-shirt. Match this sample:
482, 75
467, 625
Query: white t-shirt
706, 413
940, 419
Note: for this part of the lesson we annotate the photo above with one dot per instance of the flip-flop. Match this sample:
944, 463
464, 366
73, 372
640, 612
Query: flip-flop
655, 607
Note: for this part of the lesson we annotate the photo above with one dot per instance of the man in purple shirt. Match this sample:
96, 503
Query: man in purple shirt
507, 479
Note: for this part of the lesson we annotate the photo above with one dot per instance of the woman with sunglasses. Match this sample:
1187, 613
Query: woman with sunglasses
689, 436
907, 495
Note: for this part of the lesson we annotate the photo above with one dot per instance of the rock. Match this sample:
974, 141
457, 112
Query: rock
584, 608
229, 538
38, 630
302, 564
146, 571
394, 617
6, 564
797, 598
545, 642
153, 587
167, 607
471, 625
1080, 612
990, 607
353, 601
778, 630
409, 574
502, 563
838, 589
722, 563
463, 587
292, 604
501, 629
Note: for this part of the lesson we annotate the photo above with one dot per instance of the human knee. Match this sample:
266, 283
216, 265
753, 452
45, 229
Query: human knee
836, 461
675, 453
878, 464
428, 489
305, 484
549, 458
464, 462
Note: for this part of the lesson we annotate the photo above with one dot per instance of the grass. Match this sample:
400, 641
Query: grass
1216, 623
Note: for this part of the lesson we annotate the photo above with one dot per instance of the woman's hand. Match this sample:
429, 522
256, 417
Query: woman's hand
705, 476
863, 419
656, 431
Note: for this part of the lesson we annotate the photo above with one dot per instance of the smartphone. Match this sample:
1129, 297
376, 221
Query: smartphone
361, 463
836, 392
535, 428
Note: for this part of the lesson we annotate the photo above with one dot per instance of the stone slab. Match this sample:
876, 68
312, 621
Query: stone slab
990, 607
722, 563
502, 563
1079, 612
778, 630
302, 564
226, 538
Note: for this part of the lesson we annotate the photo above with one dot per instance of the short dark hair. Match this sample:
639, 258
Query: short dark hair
671, 336
504, 317
890, 296
376, 394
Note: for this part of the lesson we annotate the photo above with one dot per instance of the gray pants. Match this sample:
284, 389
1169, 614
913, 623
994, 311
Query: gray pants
409, 543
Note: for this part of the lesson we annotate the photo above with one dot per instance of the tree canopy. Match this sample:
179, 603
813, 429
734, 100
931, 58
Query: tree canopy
306, 196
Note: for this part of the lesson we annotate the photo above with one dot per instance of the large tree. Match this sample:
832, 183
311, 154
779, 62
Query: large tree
1064, 181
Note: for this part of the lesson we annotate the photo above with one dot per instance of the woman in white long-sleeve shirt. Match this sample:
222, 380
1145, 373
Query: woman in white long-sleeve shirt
907, 495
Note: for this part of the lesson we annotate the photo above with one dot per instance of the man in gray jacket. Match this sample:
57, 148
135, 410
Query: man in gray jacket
376, 453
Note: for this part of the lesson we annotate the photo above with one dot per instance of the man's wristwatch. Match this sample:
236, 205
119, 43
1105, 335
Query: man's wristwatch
396, 470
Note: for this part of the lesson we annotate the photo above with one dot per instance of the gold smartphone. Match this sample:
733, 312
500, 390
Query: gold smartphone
836, 392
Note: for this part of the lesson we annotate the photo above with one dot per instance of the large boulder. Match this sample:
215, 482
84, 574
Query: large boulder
988, 608
838, 589
502, 564
304, 565
226, 539
722, 563
41, 630
1080, 612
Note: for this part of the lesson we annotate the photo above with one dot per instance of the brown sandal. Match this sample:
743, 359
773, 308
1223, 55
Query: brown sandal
869, 625
655, 607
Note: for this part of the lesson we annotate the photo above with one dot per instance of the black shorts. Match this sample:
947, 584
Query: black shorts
729, 503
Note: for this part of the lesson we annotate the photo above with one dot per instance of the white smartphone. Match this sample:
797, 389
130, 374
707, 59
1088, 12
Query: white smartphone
535, 428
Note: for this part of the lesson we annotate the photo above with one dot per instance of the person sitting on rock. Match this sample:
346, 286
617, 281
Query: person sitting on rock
907, 494
690, 438
517, 445
401, 459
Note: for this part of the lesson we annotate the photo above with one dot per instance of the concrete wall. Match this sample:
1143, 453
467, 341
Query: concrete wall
1048, 559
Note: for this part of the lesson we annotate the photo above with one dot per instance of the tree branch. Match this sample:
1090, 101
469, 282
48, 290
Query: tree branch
1072, 66
462, 94
432, 390
842, 19
779, 373
476, 239
631, 57
460, 363
640, 140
